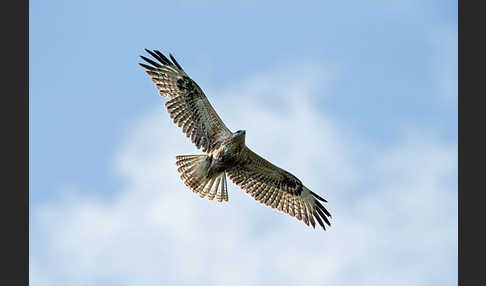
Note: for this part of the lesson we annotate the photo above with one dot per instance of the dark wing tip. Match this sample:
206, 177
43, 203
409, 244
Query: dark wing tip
318, 197
322, 215
147, 67
151, 62
162, 59
319, 206
174, 60
316, 215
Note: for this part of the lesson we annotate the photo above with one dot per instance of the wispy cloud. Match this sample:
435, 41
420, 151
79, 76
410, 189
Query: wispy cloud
394, 211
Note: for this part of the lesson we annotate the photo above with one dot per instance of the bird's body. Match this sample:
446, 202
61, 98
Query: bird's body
229, 152
226, 152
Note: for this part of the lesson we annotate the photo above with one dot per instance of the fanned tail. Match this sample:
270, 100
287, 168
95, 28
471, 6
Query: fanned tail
194, 173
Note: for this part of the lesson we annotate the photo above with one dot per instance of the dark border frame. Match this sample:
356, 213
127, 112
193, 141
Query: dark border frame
15, 139
470, 259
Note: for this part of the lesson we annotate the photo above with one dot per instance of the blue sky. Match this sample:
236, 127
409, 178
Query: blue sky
369, 87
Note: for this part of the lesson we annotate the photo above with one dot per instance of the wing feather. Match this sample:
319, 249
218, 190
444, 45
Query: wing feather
277, 188
188, 106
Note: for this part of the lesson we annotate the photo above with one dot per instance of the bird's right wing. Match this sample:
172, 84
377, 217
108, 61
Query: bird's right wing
277, 188
188, 107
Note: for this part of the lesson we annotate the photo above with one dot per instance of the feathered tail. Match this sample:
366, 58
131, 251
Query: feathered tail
194, 172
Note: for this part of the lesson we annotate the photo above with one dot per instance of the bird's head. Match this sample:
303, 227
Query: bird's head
241, 132
239, 136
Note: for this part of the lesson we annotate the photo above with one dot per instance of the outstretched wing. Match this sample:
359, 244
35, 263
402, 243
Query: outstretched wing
277, 188
188, 106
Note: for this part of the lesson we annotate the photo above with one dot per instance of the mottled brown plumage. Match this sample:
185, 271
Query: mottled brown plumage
226, 152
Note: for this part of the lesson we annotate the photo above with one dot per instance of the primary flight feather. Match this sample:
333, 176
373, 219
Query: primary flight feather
226, 152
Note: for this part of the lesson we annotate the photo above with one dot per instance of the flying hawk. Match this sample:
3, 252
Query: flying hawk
226, 152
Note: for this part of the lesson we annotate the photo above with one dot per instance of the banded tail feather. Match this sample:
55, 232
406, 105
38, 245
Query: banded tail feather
194, 173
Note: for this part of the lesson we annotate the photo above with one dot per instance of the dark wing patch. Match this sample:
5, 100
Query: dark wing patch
188, 107
277, 188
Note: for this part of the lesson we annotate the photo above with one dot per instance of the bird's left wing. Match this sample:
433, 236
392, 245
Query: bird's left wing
188, 107
277, 188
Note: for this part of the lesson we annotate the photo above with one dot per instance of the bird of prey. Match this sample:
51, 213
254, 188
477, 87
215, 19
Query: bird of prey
225, 152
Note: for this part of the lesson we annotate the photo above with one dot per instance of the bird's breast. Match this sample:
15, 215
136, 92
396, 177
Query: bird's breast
225, 156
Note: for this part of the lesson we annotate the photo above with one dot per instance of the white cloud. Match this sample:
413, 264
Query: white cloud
394, 216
